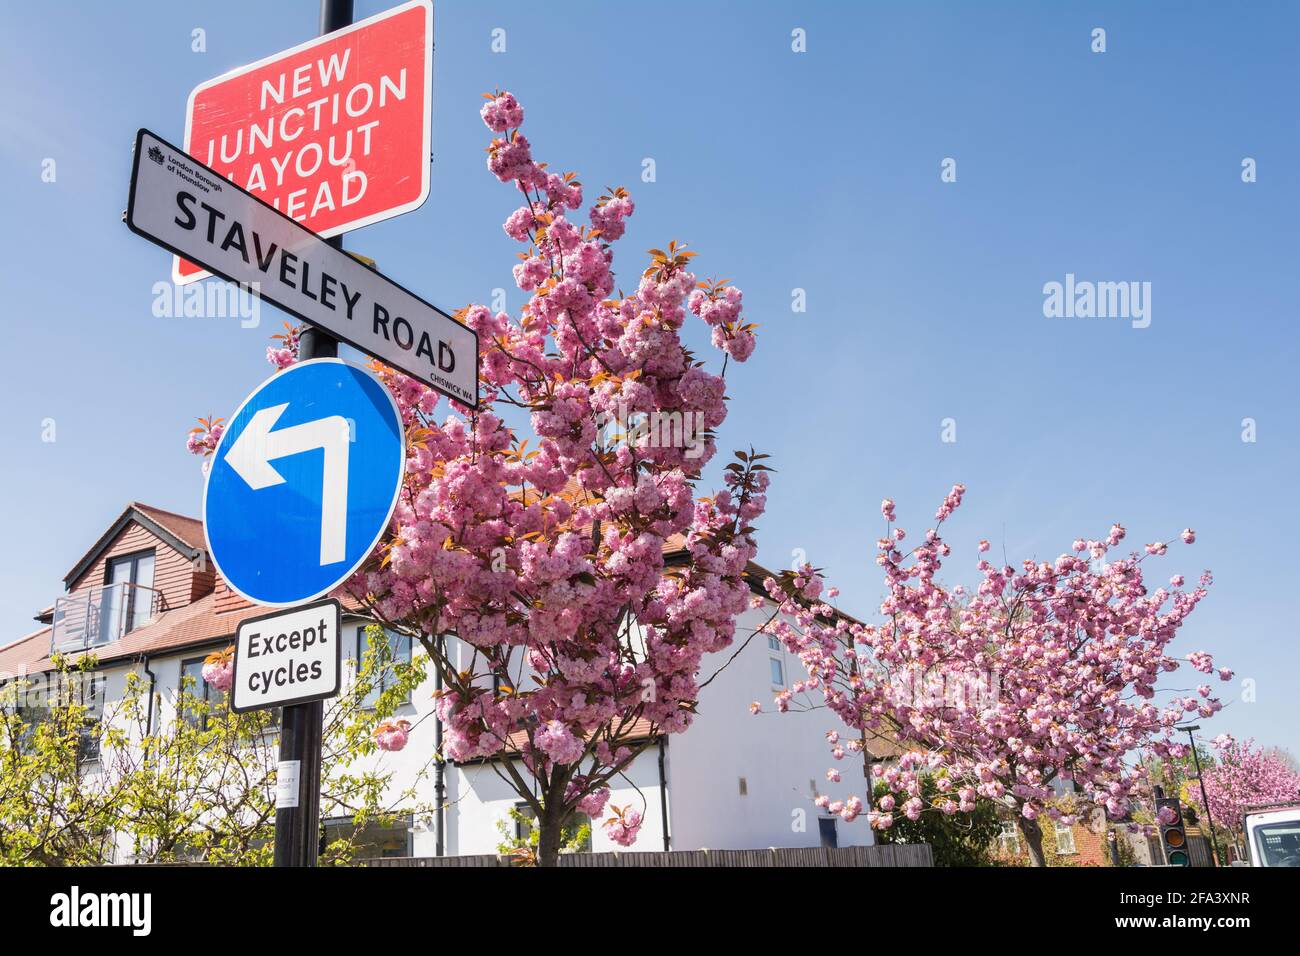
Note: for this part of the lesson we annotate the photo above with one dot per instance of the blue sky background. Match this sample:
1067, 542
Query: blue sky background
817, 171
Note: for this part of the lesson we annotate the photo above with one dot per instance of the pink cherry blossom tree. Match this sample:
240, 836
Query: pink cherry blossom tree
1046, 673
1242, 776
547, 562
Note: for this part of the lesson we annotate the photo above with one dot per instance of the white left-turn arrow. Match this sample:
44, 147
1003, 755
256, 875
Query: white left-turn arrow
257, 446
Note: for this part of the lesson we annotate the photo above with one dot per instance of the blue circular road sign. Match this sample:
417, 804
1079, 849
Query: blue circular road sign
303, 482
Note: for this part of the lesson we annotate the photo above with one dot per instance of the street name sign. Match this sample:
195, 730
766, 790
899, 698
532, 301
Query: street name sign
191, 210
334, 133
303, 482
288, 657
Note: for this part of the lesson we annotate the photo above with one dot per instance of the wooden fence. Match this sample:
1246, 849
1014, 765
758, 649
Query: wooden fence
899, 854
1198, 850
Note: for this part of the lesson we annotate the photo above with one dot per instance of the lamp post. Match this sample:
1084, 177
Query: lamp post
1200, 779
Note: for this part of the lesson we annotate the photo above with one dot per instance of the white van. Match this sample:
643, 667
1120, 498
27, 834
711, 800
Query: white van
1273, 835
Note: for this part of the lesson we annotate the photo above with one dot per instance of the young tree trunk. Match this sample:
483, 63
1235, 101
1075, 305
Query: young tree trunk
1033, 834
548, 838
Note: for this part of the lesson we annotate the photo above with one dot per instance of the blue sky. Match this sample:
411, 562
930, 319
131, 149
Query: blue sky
817, 171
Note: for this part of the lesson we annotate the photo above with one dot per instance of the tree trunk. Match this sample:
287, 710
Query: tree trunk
548, 838
1033, 834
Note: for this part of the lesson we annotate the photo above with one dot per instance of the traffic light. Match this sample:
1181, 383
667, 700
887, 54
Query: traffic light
1173, 836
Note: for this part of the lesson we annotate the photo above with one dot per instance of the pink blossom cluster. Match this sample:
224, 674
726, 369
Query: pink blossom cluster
719, 306
609, 215
286, 352
623, 826
392, 735
501, 112
558, 742
1049, 672
203, 441
593, 803
219, 675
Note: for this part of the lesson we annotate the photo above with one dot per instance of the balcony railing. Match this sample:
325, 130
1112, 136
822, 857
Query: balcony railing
96, 616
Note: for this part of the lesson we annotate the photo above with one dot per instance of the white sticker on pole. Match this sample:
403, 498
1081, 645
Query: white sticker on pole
286, 784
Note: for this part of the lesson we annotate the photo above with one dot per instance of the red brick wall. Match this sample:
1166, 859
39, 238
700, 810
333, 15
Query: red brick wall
1090, 848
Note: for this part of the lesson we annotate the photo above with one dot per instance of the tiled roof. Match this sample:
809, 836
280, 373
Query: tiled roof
17, 657
183, 533
189, 530
202, 623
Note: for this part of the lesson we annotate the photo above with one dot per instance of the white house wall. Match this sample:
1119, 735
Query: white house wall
782, 758
480, 798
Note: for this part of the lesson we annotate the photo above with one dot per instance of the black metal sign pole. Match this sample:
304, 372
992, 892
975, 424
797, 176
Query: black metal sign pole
297, 828
314, 343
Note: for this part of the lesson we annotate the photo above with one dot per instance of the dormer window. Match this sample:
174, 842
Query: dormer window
91, 617
111, 591
132, 602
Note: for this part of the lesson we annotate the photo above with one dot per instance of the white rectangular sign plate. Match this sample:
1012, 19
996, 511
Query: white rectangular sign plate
289, 657
194, 212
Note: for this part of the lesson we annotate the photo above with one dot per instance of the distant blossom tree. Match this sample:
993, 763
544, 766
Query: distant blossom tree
1047, 672
1242, 776
548, 563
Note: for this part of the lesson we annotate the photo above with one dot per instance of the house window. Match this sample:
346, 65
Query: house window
92, 698
778, 672
374, 840
773, 642
193, 688
383, 677
1009, 839
524, 819
826, 831
129, 604
35, 704
1064, 840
